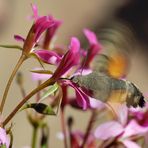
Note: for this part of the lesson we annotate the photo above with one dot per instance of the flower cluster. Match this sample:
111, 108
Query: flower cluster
126, 129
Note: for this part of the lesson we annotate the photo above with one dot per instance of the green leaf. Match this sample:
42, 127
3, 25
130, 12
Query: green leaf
40, 108
12, 46
51, 90
3, 146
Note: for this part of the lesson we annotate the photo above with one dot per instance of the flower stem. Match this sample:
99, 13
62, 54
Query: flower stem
33, 92
34, 136
19, 63
63, 128
89, 128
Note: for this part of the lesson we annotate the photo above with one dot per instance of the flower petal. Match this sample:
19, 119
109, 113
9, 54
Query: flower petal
19, 38
90, 36
122, 113
133, 128
108, 130
4, 139
130, 144
96, 104
40, 77
81, 98
94, 48
71, 58
47, 56
35, 11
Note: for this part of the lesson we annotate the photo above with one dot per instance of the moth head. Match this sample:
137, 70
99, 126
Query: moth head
136, 99
76, 79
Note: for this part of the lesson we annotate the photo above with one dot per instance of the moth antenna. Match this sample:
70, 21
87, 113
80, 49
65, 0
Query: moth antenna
65, 78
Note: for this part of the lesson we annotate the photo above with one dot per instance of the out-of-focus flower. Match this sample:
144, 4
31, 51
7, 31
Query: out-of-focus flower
94, 48
122, 130
4, 138
140, 115
77, 138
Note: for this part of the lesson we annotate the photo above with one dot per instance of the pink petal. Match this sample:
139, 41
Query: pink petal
81, 98
19, 38
49, 57
90, 36
94, 48
40, 77
133, 128
70, 59
122, 113
96, 104
130, 144
35, 11
74, 45
4, 139
108, 130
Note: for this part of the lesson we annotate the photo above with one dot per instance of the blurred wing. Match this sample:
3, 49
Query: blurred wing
118, 66
117, 42
115, 65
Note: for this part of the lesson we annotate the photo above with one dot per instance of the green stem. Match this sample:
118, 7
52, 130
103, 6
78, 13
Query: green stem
34, 136
19, 63
33, 92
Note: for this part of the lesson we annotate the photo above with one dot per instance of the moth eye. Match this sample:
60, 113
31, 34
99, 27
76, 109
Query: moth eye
141, 102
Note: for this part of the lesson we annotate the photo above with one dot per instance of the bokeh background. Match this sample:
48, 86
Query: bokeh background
76, 15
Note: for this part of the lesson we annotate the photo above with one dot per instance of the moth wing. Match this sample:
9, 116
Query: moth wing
118, 65
117, 41
115, 65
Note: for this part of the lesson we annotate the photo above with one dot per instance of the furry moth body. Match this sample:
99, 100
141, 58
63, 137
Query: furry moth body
107, 88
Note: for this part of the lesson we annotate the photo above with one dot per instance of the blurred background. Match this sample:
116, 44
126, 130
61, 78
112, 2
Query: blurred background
127, 20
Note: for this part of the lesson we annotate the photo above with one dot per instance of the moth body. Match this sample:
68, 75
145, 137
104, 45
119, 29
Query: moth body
107, 88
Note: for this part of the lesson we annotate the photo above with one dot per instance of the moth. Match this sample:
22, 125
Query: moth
108, 89
106, 82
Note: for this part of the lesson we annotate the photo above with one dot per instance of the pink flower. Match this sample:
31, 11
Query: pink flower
70, 59
94, 48
4, 139
121, 130
50, 32
40, 25
140, 115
